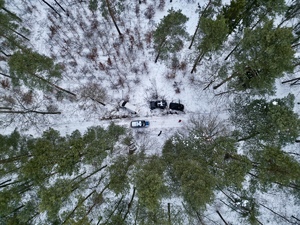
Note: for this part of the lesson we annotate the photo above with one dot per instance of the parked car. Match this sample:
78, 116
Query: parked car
139, 123
161, 104
176, 106
129, 106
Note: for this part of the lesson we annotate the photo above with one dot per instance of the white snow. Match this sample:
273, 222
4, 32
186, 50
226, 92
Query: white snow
138, 87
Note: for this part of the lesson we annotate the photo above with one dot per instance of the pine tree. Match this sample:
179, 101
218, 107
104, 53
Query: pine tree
149, 183
53, 198
274, 166
242, 14
263, 55
93, 5
208, 12
35, 70
119, 177
234, 13
213, 34
169, 35
13, 15
72, 152
202, 161
115, 7
9, 23
262, 121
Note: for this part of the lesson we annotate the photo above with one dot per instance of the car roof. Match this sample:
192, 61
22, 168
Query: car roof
178, 106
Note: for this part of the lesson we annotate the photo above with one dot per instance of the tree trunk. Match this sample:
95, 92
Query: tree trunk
91, 208
295, 218
12, 14
48, 82
4, 182
97, 101
16, 209
28, 111
195, 211
198, 59
11, 40
230, 53
159, 49
7, 55
291, 185
130, 203
293, 153
53, 85
3, 74
276, 213
116, 207
193, 38
136, 215
8, 108
248, 137
21, 35
229, 197
60, 6
14, 182
78, 205
80, 175
221, 217
27, 222
224, 92
12, 159
169, 213
237, 45
156, 58
76, 184
207, 86
224, 81
51, 7
291, 80
112, 17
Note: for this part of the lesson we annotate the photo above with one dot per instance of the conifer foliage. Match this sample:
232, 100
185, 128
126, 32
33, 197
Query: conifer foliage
271, 121
33, 69
170, 33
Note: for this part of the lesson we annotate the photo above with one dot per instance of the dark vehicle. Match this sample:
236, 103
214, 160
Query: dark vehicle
139, 123
162, 104
176, 106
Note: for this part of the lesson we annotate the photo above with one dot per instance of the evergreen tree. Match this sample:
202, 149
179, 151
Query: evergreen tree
202, 161
35, 70
262, 121
169, 35
46, 154
208, 12
263, 55
107, 8
213, 34
100, 142
13, 15
243, 202
119, 177
72, 150
274, 166
149, 183
53, 198
93, 5
234, 13
9, 23
242, 13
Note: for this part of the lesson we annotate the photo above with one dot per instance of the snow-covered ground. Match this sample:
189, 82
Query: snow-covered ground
133, 76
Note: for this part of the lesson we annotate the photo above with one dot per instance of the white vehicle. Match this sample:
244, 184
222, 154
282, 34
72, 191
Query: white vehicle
128, 106
139, 123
